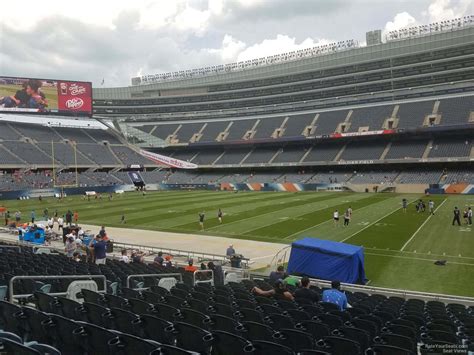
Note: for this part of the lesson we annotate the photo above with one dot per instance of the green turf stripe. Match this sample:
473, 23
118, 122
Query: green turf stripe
393, 231
307, 220
248, 216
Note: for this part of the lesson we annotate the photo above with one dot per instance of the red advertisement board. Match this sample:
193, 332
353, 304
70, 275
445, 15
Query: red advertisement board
74, 96
45, 96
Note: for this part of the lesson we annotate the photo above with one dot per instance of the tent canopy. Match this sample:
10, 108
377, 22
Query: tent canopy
328, 260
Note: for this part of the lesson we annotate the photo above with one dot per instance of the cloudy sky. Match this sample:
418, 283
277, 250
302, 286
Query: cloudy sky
115, 40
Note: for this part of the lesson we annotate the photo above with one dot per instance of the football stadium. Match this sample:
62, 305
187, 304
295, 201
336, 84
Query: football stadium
310, 202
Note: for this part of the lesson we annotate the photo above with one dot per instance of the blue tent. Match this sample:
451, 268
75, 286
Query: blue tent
328, 260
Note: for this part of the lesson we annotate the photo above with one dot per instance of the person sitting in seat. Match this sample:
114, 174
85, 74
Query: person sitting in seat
336, 296
279, 291
190, 267
304, 292
124, 257
279, 274
159, 259
168, 262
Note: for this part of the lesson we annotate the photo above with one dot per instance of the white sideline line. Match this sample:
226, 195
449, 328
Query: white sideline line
423, 224
371, 224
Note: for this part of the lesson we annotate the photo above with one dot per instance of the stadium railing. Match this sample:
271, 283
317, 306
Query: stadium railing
13, 296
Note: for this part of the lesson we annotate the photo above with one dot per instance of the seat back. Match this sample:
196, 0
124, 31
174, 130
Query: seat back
76, 286
167, 282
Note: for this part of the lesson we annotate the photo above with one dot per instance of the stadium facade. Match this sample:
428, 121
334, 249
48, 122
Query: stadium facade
397, 115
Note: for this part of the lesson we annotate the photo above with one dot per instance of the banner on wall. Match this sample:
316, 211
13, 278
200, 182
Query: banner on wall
169, 161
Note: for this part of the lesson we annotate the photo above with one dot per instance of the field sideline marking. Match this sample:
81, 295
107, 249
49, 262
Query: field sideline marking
371, 224
329, 220
412, 258
422, 225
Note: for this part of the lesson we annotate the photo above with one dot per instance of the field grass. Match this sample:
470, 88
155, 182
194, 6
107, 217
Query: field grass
51, 94
400, 248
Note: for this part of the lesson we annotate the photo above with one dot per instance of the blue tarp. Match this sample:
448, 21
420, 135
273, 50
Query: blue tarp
328, 260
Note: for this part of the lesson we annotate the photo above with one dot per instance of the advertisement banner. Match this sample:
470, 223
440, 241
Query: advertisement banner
169, 161
45, 96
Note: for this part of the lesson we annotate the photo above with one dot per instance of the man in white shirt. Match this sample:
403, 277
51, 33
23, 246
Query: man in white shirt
335, 217
60, 223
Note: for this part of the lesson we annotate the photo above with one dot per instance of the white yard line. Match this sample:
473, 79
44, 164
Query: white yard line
426, 221
329, 220
371, 224
274, 222
267, 213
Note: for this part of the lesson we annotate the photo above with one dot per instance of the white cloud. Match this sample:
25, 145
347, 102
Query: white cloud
401, 20
192, 19
440, 10
280, 44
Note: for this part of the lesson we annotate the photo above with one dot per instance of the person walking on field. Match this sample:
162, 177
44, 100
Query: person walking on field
457, 216
469, 216
219, 215
347, 218
201, 220
431, 207
76, 217
335, 217
404, 205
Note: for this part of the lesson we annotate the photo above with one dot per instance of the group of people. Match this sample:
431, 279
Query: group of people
301, 290
347, 216
29, 96
68, 218
466, 214
95, 249
202, 217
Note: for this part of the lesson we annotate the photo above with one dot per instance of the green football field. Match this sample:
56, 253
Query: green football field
400, 248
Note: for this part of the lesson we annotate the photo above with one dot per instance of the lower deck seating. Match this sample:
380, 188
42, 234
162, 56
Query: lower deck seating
230, 319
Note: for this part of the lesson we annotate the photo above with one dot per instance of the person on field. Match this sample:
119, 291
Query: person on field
469, 216
201, 220
7, 217
431, 207
404, 205
219, 215
33, 216
76, 217
347, 218
456, 216
335, 217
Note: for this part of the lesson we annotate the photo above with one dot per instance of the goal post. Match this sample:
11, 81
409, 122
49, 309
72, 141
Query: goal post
76, 173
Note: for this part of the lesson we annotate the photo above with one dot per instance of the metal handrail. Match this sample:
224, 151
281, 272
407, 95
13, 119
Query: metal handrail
171, 251
129, 277
12, 295
211, 280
